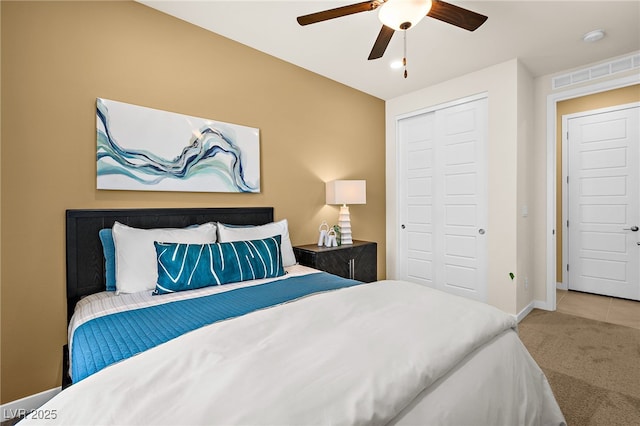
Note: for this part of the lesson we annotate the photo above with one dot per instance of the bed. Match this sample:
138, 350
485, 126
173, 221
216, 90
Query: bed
297, 346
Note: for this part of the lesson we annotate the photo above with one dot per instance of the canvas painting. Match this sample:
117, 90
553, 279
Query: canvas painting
141, 148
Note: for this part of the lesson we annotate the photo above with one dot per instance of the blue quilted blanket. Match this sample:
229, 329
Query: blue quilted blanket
105, 340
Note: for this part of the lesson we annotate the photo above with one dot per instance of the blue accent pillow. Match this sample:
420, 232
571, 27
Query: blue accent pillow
190, 266
109, 251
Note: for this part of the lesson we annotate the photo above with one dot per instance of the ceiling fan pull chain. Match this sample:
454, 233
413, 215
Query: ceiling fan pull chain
404, 59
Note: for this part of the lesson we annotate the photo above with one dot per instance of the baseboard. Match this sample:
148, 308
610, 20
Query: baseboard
523, 313
536, 304
23, 406
562, 286
539, 304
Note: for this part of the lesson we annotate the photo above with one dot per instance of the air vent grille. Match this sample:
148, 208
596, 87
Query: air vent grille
598, 71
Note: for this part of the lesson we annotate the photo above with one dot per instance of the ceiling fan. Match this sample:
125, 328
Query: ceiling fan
400, 15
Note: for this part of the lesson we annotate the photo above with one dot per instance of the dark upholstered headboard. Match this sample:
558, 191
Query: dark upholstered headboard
85, 260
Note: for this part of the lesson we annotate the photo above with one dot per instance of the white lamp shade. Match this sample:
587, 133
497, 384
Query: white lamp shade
346, 192
394, 13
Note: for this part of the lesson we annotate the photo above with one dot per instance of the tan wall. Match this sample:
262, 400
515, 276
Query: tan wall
57, 57
610, 98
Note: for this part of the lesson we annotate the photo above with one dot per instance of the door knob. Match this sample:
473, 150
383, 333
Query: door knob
481, 231
633, 228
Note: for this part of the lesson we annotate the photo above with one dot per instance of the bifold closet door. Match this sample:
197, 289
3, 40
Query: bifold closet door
443, 199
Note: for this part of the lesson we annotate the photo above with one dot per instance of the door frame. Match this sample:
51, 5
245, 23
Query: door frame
565, 173
552, 100
433, 108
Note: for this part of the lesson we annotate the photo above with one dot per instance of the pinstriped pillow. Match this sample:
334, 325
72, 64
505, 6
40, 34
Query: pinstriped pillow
190, 266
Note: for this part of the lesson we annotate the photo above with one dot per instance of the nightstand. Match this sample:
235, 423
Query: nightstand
357, 261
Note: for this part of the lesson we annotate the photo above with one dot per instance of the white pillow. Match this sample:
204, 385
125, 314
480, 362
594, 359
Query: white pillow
230, 233
136, 262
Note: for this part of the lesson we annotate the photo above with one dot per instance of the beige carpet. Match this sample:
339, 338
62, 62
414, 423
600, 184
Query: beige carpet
593, 367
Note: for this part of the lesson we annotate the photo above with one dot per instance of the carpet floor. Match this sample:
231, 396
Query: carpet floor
593, 367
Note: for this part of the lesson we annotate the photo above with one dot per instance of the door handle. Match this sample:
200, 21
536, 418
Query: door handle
633, 229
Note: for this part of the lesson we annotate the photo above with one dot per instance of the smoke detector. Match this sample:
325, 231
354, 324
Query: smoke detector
593, 36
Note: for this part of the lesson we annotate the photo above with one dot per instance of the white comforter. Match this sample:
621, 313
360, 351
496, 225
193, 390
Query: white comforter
358, 355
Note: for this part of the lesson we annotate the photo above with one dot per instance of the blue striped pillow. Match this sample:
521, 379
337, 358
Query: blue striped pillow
190, 266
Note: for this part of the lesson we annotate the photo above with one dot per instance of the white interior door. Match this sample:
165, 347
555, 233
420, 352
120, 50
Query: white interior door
443, 199
415, 135
461, 212
604, 201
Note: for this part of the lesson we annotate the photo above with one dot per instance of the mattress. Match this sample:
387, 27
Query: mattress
388, 352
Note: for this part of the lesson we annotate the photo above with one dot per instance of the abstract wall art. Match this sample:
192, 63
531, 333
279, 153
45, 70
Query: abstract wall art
146, 149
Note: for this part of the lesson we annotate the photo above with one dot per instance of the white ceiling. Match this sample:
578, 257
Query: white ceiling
545, 35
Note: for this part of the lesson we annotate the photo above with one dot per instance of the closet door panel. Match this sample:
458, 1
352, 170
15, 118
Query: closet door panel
462, 199
443, 198
416, 195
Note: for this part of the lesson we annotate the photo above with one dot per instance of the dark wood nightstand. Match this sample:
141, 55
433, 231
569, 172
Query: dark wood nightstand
357, 261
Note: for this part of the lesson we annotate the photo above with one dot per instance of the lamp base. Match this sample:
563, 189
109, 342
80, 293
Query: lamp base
344, 221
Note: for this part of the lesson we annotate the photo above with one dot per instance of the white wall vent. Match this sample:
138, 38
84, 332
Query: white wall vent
598, 71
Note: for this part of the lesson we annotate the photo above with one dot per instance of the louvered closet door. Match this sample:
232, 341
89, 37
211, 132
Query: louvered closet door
443, 199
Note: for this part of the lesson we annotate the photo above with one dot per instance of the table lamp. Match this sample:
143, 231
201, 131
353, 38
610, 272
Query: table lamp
346, 192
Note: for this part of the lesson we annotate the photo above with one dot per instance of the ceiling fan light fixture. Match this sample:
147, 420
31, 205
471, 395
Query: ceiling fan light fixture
403, 14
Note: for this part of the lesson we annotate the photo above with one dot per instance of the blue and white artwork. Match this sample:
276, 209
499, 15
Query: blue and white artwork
142, 148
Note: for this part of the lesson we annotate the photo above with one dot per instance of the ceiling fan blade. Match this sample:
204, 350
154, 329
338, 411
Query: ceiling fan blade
337, 12
384, 37
456, 15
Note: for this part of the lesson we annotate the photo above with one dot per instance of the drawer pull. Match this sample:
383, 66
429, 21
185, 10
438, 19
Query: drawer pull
352, 268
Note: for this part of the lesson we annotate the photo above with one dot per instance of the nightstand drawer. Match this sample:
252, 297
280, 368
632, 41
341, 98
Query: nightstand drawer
358, 261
